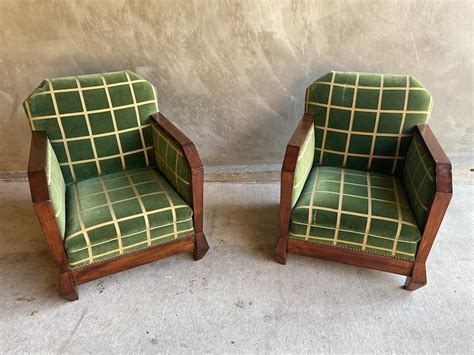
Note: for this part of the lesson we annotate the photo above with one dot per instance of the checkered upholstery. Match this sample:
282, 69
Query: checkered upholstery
365, 121
119, 213
56, 188
354, 209
303, 165
171, 162
97, 124
419, 180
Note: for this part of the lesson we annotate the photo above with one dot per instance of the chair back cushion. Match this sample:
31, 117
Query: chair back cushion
97, 124
365, 121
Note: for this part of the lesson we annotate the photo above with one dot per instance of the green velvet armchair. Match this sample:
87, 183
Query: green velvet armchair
113, 182
364, 181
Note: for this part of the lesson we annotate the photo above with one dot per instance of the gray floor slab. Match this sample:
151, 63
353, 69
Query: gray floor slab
236, 299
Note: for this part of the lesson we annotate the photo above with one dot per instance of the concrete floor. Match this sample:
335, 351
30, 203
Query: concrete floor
236, 299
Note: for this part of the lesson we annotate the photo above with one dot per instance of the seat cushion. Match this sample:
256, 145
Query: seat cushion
120, 213
355, 209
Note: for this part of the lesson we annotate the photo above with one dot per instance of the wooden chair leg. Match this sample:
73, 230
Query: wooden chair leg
279, 253
201, 246
417, 278
67, 287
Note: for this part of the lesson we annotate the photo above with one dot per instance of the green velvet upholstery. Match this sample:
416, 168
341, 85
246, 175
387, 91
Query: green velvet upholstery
419, 180
303, 165
120, 213
365, 121
360, 210
172, 163
56, 188
109, 194
97, 124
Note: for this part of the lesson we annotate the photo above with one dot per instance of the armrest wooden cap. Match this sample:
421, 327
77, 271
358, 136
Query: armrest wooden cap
296, 141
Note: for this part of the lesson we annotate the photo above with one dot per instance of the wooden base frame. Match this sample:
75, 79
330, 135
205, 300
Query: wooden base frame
414, 270
70, 278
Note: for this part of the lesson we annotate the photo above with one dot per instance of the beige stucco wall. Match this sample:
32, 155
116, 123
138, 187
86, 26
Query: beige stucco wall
232, 74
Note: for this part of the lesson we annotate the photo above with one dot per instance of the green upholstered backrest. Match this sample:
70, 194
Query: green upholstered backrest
97, 124
365, 121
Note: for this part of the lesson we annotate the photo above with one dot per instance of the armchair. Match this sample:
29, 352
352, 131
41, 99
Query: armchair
114, 183
364, 180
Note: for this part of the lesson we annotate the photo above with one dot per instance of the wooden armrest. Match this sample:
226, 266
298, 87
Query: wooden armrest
288, 172
41, 199
192, 157
37, 167
295, 143
438, 157
189, 150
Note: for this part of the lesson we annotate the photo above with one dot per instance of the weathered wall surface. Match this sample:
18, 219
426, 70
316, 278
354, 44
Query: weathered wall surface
232, 74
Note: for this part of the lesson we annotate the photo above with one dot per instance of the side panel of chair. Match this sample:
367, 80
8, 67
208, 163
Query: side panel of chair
44, 210
197, 179
287, 179
437, 210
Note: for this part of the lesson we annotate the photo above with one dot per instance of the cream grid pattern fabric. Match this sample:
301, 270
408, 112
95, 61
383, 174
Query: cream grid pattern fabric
419, 180
172, 163
365, 121
119, 213
97, 124
359, 210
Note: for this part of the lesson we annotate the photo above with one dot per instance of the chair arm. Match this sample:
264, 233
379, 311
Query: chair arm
299, 156
296, 141
183, 169
37, 167
428, 183
296, 168
46, 179
48, 193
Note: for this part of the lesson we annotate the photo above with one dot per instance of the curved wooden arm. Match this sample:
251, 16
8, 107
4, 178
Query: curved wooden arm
192, 157
37, 167
443, 191
287, 177
41, 200
295, 143
290, 160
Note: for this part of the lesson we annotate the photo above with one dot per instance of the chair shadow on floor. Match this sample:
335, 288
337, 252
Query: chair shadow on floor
253, 228
28, 272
